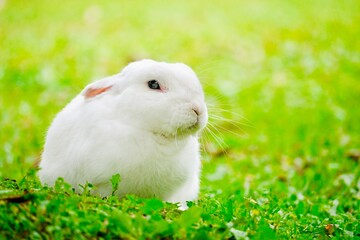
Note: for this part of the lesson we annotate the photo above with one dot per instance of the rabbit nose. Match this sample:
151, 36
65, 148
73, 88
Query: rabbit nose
196, 110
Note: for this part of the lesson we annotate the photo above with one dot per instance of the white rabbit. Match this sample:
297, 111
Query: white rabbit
142, 123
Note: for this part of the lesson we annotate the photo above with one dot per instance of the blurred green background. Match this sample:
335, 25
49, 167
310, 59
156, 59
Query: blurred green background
281, 79
282, 75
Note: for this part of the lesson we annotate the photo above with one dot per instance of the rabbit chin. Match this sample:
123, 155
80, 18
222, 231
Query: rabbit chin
180, 133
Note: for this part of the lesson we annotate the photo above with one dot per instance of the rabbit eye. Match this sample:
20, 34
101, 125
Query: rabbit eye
153, 84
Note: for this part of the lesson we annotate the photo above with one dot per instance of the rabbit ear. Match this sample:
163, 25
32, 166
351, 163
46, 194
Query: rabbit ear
93, 91
99, 87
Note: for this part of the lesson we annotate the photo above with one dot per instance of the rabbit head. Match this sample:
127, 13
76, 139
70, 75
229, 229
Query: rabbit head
162, 98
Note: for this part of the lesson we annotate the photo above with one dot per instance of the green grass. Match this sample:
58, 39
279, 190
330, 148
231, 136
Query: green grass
290, 68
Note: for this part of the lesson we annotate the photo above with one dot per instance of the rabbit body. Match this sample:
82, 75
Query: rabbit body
124, 124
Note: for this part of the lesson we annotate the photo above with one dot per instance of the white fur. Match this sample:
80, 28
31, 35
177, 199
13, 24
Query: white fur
149, 137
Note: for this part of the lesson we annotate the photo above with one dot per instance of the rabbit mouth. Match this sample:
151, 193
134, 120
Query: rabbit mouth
180, 132
184, 131
190, 130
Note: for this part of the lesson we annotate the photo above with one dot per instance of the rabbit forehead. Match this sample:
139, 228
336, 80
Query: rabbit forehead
168, 73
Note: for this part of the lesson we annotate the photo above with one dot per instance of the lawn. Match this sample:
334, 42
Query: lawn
281, 78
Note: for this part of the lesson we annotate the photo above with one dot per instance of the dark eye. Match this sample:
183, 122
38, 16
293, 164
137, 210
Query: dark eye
153, 84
